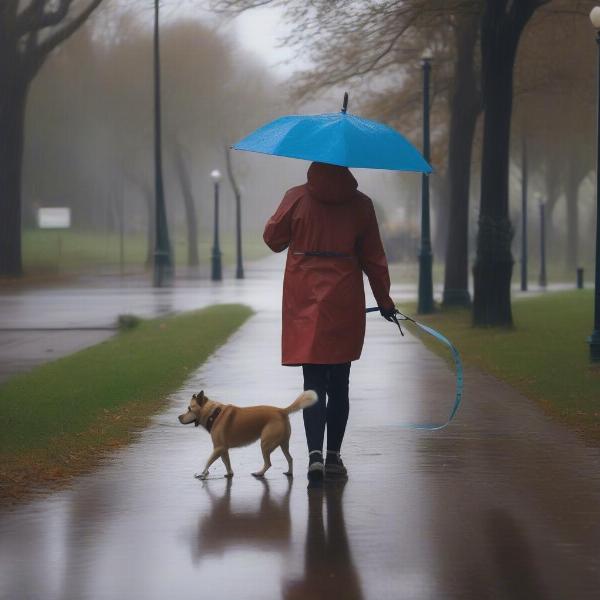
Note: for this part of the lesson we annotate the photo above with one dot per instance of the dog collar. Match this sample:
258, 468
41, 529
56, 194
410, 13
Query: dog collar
213, 417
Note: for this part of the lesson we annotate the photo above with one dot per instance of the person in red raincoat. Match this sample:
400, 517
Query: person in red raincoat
331, 233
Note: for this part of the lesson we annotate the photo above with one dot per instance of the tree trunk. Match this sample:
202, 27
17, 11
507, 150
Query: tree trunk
13, 99
22, 54
190, 207
502, 24
552, 176
464, 109
440, 192
492, 271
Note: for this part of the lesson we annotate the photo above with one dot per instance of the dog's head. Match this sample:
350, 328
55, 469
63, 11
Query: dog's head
194, 410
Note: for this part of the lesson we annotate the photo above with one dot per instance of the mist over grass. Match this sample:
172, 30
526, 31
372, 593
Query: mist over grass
52, 251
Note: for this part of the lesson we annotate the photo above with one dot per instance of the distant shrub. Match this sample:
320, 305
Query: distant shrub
126, 322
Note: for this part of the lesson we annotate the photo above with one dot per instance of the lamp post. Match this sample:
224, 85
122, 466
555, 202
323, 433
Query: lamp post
425, 303
239, 270
216, 275
163, 263
543, 278
594, 339
237, 192
524, 181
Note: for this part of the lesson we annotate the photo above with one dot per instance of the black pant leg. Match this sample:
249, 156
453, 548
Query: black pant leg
338, 405
315, 378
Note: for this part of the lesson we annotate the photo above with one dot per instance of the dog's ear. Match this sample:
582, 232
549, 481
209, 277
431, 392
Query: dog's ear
200, 395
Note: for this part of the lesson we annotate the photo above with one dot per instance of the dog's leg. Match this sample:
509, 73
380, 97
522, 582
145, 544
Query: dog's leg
288, 457
215, 454
266, 452
225, 459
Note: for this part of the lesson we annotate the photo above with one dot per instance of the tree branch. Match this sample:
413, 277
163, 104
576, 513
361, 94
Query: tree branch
34, 17
37, 56
235, 7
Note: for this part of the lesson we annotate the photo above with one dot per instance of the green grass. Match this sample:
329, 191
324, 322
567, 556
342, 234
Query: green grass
46, 251
545, 355
64, 398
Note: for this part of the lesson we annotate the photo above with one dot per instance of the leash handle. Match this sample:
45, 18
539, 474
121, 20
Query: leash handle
403, 317
395, 319
457, 363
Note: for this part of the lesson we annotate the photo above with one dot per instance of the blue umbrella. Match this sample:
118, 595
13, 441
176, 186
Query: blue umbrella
338, 139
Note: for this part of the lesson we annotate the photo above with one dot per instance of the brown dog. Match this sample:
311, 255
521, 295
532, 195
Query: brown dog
233, 426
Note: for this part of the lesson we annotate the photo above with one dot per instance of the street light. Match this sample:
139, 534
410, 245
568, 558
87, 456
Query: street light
425, 304
543, 278
594, 339
239, 271
524, 180
215, 175
163, 263
237, 193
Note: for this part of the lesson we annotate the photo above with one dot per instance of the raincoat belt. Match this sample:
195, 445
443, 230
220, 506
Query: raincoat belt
324, 254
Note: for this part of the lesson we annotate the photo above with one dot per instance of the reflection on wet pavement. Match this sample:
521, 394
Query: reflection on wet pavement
328, 566
514, 559
267, 525
503, 504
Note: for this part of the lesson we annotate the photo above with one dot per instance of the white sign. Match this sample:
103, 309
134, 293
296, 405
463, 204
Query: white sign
54, 218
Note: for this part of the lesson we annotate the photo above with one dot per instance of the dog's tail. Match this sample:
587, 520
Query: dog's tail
304, 400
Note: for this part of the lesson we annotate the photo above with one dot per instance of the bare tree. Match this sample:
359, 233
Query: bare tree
456, 107
363, 42
578, 167
554, 104
28, 33
502, 25
465, 108
191, 220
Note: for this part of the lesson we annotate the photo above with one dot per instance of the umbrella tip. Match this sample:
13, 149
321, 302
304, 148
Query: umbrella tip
345, 105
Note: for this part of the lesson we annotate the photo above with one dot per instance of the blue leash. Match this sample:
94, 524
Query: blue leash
457, 363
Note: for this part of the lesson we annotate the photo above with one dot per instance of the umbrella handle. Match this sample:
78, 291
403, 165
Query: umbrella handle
345, 104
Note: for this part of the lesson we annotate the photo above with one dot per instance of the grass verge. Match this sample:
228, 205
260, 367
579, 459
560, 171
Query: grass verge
57, 420
545, 355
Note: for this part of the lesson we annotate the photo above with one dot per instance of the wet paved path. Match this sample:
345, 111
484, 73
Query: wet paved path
503, 504
37, 325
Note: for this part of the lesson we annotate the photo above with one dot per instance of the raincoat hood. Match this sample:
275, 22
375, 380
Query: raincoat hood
331, 184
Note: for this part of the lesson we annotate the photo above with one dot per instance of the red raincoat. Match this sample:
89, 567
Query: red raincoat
323, 296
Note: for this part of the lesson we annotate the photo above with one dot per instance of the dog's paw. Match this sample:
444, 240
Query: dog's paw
201, 476
258, 475
288, 474
228, 475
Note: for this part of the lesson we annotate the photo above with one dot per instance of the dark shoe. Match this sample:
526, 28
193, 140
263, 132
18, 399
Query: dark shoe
315, 466
334, 467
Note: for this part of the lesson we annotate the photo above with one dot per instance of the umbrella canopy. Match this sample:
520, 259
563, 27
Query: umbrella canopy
336, 138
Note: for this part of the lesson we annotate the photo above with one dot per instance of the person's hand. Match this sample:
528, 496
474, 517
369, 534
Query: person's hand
388, 313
